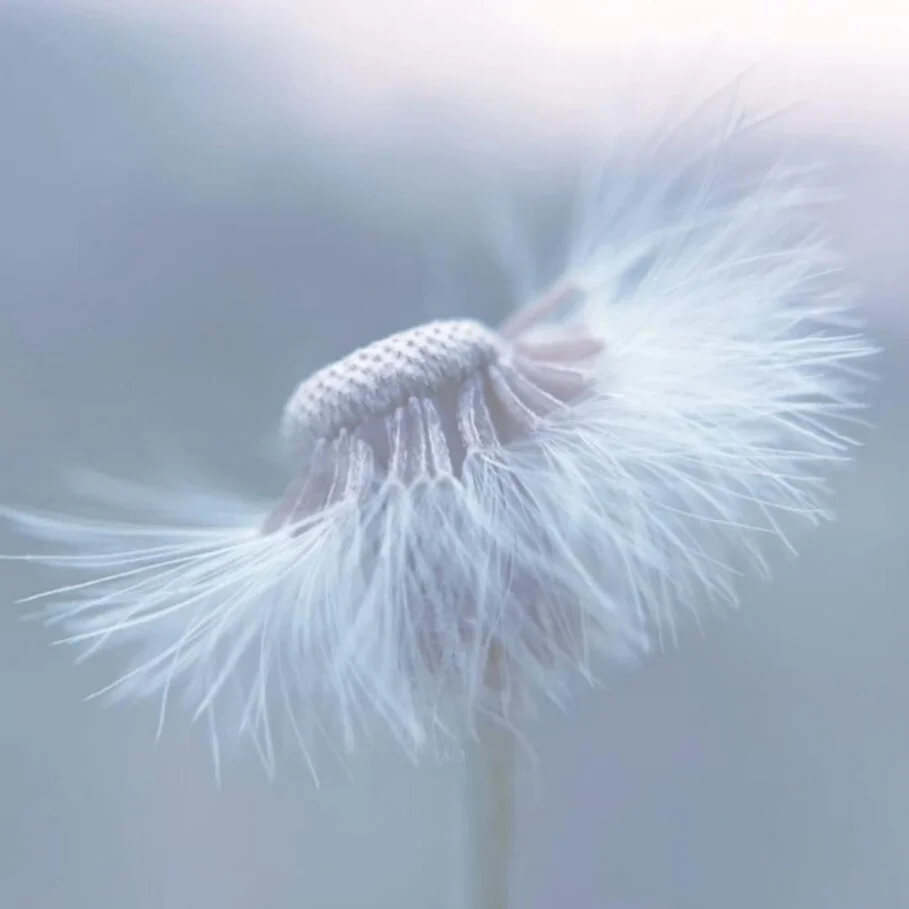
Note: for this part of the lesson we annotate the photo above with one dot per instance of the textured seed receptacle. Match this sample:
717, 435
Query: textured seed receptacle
382, 376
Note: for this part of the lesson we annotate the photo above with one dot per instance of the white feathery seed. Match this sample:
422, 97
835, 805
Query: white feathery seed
481, 517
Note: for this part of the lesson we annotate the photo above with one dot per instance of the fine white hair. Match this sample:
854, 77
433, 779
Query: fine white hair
482, 516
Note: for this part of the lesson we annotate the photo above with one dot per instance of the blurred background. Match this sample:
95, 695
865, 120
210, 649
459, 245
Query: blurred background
202, 201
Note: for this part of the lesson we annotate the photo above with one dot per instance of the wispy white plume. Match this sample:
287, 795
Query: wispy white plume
481, 517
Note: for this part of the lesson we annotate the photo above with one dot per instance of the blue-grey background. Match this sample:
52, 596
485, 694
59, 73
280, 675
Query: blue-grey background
177, 250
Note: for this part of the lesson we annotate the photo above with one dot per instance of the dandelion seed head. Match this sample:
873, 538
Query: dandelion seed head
480, 517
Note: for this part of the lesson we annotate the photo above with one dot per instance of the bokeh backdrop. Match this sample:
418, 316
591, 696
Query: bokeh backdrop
199, 204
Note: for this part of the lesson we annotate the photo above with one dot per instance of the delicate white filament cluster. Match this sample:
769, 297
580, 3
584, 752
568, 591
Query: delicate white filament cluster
479, 516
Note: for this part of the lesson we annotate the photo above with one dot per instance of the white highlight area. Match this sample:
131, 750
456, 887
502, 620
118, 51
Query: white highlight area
552, 65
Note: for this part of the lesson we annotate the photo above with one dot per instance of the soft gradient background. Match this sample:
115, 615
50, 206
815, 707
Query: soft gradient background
200, 203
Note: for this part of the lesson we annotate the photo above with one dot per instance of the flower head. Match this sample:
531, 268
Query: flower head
479, 516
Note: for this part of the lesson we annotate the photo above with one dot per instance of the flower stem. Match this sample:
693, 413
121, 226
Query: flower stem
489, 773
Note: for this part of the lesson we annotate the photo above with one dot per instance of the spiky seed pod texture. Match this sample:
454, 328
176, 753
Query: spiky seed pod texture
481, 516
